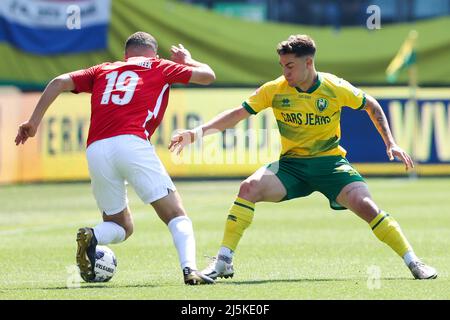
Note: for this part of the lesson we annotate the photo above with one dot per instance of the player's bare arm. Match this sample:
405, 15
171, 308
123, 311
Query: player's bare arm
379, 119
29, 128
225, 120
201, 72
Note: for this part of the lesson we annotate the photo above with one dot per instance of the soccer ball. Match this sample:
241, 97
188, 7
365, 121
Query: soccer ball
105, 264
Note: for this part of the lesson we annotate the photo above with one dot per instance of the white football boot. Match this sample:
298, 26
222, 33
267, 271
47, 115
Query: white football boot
220, 267
421, 271
194, 277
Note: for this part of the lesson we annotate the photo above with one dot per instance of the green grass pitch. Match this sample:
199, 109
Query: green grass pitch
294, 250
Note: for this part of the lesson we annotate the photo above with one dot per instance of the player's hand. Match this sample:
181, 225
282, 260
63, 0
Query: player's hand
26, 130
395, 152
180, 54
180, 140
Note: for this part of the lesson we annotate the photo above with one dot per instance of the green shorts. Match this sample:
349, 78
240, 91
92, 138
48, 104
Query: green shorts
302, 176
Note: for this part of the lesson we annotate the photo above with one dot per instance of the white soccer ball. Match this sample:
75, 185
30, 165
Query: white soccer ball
105, 264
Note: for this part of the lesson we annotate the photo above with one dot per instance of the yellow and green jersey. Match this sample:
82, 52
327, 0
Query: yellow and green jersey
309, 121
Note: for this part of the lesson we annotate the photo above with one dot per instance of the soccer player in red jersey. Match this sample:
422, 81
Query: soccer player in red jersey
128, 101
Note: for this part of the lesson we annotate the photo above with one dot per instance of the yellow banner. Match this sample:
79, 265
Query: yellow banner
9, 118
64, 131
58, 151
238, 151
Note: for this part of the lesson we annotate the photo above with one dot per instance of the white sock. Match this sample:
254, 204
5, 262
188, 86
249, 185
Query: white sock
109, 232
409, 257
183, 238
226, 252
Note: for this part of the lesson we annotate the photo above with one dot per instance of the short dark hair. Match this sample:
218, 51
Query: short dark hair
299, 44
142, 40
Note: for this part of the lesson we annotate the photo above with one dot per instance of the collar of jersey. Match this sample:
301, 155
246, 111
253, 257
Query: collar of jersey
313, 87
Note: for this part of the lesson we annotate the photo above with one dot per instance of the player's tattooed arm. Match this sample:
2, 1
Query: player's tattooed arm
379, 119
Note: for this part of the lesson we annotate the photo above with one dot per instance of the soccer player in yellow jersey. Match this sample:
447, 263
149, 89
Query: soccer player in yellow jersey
307, 106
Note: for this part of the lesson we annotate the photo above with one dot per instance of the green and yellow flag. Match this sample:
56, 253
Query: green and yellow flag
404, 58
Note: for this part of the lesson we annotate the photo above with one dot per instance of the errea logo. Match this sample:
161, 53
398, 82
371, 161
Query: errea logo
346, 168
321, 104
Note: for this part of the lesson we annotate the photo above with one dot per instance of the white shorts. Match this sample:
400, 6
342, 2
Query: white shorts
126, 158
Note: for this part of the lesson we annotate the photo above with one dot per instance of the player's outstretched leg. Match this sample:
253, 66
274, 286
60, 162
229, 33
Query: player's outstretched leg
263, 185
356, 197
183, 238
170, 210
239, 218
388, 230
104, 233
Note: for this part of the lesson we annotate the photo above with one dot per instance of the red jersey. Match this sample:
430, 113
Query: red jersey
128, 97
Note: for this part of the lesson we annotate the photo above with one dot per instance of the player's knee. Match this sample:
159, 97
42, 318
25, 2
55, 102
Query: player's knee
125, 220
250, 190
366, 205
129, 228
171, 213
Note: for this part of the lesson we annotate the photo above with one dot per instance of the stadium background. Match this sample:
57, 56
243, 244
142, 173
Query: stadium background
297, 249
242, 53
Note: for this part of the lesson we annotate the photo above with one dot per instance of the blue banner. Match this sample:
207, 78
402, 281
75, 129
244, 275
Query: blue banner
48, 27
422, 130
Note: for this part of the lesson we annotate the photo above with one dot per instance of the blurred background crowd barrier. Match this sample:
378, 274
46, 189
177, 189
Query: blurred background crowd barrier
42, 39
